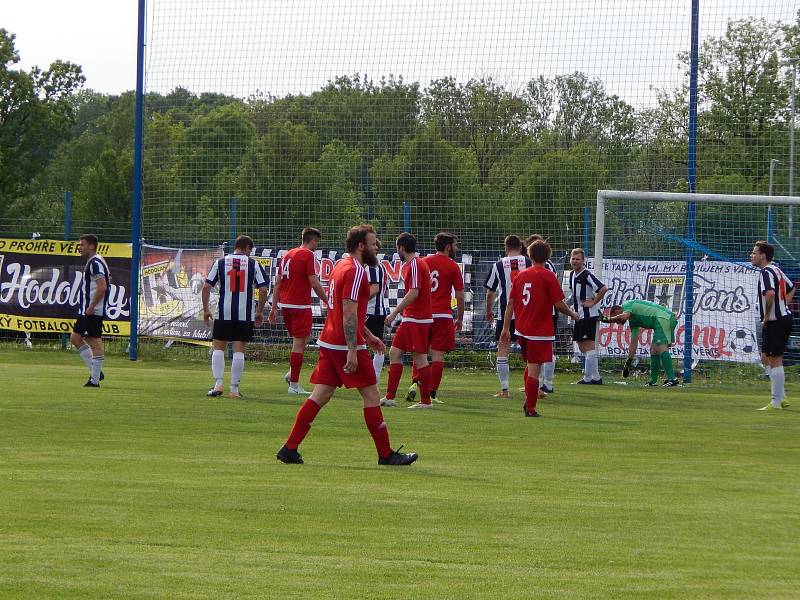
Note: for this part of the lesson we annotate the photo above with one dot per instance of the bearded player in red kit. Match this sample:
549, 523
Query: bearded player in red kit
343, 356
534, 293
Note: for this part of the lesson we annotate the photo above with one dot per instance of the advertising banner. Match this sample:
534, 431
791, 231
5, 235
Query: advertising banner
40, 282
725, 322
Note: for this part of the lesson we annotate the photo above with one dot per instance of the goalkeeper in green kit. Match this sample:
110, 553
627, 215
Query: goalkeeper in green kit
649, 315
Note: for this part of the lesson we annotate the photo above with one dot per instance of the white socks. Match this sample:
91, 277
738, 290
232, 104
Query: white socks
377, 364
591, 371
548, 370
85, 352
218, 367
502, 372
777, 378
237, 368
97, 367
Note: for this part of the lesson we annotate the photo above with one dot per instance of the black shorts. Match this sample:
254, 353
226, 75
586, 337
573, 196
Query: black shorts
375, 323
585, 330
89, 326
498, 329
775, 336
232, 331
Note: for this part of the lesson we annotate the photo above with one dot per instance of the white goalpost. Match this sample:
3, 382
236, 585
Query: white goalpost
691, 253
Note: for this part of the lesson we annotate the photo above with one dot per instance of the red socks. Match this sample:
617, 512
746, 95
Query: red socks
531, 393
373, 417
395, 373
295, 364
424, 375
437, 368
302, 423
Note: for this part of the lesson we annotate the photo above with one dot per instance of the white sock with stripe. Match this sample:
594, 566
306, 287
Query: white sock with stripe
778, 380
502, 372
218, 367
377, 364
85, 352
237, 368
97, 366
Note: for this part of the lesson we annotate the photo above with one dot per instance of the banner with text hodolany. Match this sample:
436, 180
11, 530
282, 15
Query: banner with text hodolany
725, 317
40, 285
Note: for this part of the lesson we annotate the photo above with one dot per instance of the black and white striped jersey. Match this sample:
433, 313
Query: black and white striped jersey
237, 276
379, 304
502, 275
584, 286
772, 278
96, 268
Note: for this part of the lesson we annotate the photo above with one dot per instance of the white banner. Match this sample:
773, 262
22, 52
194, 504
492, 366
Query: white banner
725, 319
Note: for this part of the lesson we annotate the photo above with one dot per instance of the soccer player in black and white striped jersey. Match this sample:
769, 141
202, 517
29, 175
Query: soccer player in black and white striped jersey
377, 308
587, 292
548, 369
775, 292
237, 275
88, 330
498, 284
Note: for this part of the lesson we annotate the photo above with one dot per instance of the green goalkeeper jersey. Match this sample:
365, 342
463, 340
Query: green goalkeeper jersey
646, 314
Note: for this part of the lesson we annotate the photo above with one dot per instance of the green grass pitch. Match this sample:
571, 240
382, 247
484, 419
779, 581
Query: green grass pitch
146, 488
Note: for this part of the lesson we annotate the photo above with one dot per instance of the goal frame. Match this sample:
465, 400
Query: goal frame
603, 196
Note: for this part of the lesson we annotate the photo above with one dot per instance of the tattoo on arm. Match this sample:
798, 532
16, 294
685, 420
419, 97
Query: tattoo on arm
350, 329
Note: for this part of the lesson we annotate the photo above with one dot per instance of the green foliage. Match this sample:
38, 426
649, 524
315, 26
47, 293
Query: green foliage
473, 155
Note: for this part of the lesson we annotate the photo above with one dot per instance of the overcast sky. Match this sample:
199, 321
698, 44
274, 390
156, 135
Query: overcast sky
291, 46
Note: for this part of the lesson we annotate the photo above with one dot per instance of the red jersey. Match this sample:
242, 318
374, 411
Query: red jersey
348, 282
294, 270
534, 293
416, 275
445, 277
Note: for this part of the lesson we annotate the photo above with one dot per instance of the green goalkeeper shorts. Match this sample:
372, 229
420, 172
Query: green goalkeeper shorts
664, 331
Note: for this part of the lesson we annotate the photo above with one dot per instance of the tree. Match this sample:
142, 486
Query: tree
481, 116
35, 117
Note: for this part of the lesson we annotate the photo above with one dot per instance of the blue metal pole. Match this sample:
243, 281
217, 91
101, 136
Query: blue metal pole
406, 216
67, 236
136, 208
691, 209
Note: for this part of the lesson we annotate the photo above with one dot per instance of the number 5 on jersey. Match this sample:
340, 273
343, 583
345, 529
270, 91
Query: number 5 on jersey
526, 293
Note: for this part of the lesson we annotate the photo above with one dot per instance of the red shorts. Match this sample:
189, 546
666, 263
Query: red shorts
443, 335
297, 321
330, 369
412, 337
536, 351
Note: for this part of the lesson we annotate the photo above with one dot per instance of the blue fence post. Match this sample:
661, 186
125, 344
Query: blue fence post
136, 208
688, 333
67, 236
406, 216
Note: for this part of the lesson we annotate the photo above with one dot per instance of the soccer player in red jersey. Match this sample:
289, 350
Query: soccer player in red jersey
535, 292
343, 356
446, 281
297, 276
413, 334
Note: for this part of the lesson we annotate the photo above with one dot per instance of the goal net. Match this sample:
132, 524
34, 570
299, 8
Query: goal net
690, 253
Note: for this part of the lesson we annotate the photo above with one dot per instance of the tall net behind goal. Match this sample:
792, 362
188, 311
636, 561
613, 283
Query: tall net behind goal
691, 253
479, 118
